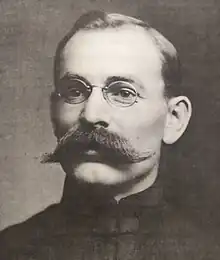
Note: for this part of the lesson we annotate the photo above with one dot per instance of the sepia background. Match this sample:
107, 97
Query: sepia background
29, 33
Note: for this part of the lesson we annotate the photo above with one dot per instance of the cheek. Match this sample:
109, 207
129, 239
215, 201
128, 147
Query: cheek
64, 116
150, 135
152, 127
144, 127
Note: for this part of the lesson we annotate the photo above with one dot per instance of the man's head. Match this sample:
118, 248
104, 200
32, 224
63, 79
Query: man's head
117, 97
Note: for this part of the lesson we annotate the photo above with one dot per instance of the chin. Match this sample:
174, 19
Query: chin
93, 172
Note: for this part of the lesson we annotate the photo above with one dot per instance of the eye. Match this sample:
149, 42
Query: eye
74, 91
125, 93
121, 93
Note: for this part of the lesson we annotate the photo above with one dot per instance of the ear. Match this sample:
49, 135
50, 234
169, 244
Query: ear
178, 116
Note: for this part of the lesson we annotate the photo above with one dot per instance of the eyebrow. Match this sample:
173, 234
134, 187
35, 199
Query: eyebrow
126, 79
119, 78
69, 76
108, 81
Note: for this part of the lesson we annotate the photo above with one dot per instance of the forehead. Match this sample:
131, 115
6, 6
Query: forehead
125, 51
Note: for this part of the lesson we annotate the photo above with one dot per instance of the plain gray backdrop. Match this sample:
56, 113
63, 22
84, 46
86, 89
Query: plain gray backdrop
29, 33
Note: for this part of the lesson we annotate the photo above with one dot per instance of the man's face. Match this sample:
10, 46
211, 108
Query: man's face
101, 56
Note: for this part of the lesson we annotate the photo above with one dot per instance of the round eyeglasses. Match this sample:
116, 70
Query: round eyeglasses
117, 93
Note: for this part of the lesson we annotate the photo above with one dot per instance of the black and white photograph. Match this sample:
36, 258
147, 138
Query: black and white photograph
109, 130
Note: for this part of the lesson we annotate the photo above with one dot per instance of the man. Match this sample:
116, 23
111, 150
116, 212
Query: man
117, 97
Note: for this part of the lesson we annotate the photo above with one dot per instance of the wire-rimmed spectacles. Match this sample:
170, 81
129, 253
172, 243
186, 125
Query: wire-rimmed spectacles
118, 93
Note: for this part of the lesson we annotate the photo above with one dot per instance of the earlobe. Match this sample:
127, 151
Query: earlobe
178, 116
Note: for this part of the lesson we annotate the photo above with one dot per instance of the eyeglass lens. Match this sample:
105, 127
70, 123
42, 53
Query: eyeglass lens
119, 93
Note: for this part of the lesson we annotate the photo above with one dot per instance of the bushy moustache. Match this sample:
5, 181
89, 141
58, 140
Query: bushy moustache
80, 139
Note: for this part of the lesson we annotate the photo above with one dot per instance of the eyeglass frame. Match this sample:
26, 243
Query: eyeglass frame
104, 89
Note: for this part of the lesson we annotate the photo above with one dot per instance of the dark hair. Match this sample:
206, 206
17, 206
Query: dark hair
98, 20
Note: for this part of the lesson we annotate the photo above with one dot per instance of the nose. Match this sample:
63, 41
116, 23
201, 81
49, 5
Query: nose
96, 110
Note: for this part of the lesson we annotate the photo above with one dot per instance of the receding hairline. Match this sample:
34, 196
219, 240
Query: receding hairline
130, 28
118, 21
98, 20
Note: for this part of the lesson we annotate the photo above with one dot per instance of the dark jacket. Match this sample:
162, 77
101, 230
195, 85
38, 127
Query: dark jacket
140, 227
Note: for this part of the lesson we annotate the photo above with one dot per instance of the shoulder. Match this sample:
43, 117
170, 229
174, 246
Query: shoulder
191, 232
20, 237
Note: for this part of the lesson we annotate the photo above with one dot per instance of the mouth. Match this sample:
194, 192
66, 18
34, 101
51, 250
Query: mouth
91, 156
95, 153
104, 156
112, 153
91, 152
